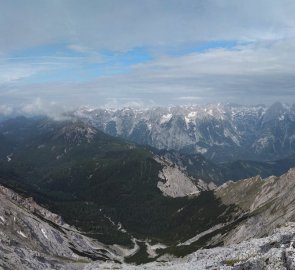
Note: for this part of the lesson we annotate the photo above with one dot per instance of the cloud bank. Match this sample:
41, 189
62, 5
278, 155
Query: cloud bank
69, 52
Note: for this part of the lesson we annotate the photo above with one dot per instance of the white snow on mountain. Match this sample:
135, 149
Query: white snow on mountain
224, 132
166, 118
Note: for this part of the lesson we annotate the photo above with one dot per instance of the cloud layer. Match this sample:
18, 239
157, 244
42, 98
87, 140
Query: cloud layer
117, 25
71, 52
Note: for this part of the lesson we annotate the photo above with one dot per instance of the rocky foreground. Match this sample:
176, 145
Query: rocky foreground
31, 237
273, 252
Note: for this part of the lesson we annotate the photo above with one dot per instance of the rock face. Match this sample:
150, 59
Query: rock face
269, 253
220, 132
32, 237
269, 203
174, 181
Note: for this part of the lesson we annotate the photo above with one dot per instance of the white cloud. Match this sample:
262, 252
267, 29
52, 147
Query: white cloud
10, 73
38, 106
253, 73
5, 109
188, 98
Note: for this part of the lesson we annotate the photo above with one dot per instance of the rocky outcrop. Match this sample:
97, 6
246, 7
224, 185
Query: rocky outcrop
269, 203
32, 237
275, 252
175, 182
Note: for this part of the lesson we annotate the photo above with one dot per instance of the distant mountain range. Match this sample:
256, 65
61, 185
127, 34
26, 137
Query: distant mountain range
219, 132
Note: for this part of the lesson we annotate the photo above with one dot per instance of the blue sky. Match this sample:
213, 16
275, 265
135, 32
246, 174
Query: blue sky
71, 64
77, 64
158, 52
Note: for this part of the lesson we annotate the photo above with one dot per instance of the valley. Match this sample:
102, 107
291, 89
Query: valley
124, 196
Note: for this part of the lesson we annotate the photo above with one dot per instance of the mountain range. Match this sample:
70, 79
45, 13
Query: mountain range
219, 132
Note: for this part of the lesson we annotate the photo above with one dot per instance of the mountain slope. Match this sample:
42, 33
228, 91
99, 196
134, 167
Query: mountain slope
269, 203
121, 193
34, 238
201, 168
110, 189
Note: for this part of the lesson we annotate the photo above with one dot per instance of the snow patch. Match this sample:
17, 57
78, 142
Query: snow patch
9, 157
166, 118
192, 114
44, 233
21, 234
2, 219
201, 149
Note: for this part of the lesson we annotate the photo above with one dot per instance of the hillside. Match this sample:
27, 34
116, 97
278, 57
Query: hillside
35, 238
118, 192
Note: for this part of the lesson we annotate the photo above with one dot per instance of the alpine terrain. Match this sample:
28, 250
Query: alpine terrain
219, 132
83, 199
147, 135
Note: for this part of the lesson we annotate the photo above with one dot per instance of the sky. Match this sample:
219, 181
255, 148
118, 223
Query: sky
60, 54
